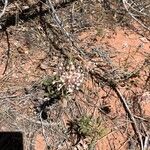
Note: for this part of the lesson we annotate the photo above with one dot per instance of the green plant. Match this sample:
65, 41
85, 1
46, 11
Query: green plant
53, 87
100, 31
90, 127
86, 127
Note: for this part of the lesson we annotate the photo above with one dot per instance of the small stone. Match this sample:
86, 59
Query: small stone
43, 66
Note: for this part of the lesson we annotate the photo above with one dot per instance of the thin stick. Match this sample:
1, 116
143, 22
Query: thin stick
8, 52
43, 130
113, 85
146, 143
134, 124
4, 9
61, 26
125, 3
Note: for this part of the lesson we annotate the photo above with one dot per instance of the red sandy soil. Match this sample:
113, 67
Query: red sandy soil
133, 48
126, 45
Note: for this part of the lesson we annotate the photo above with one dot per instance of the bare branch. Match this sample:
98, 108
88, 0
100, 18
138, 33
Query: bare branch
126, 6
43, 130
4, 9
137, 130
61, 26
113, 85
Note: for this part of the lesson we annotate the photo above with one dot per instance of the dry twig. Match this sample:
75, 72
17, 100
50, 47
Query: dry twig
4, 9
43, 131
113, 85
61, 26
126, 6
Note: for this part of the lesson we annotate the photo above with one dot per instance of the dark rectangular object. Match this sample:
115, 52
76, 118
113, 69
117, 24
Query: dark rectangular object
11, 141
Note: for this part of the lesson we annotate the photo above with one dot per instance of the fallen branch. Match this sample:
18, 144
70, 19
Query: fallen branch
131, 116
4, 9
126, 5
8, 53
43, 131
113, 85
61, 26
29, 13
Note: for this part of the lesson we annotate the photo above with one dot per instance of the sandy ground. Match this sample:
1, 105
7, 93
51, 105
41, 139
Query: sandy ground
128, 49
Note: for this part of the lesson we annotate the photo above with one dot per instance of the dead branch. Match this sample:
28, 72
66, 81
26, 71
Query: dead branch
29, 13
8, 52
127, 6
43, 131
4, 9
113, 85
61, 26
132, 118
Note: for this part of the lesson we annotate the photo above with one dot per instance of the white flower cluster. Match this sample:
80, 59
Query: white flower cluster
72, 77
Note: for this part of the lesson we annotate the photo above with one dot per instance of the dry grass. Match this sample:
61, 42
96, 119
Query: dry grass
53, 77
